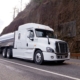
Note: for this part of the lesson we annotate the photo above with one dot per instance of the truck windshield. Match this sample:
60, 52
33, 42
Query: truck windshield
44, 33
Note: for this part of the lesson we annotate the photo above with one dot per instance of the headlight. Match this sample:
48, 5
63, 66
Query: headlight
48, 49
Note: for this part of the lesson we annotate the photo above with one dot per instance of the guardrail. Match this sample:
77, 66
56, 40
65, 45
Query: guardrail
75, 55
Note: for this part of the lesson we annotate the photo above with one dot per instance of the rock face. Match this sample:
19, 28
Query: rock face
62, 15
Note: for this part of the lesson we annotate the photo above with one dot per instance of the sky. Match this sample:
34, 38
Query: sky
7, 9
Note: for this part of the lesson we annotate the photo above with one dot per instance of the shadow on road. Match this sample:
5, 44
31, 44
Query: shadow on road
46, 63
54, 64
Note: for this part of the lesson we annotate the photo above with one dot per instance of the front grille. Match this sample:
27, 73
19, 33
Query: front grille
61, 47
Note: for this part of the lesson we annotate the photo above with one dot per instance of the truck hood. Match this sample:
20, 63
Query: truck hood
43, 43
52, 41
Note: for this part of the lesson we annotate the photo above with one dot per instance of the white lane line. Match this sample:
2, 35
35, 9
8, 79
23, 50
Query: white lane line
54, 73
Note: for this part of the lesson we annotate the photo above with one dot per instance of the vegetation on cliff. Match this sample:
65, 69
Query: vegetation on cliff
62, 15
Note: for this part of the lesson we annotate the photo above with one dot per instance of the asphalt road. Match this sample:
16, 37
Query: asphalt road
17, 69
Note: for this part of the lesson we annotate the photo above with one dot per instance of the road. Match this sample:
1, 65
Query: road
17, 69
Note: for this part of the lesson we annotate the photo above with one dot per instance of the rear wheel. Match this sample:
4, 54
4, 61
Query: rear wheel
4, 52
0, 51
9, 53
38, 57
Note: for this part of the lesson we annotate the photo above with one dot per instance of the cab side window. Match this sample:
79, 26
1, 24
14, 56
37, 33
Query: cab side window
31, 34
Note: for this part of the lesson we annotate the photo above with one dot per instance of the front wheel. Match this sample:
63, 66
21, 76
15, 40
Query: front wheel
38, 57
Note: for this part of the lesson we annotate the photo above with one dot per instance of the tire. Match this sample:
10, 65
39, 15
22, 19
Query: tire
38, 57
9, 53
4, 52
0, 51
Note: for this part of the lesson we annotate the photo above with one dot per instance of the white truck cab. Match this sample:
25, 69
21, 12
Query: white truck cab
37, 42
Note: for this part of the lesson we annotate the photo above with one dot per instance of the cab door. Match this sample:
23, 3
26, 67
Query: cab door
30, 43
30, 39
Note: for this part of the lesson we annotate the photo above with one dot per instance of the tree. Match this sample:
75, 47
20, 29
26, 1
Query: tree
15, 12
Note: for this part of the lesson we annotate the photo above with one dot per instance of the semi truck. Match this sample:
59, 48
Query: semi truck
34, 42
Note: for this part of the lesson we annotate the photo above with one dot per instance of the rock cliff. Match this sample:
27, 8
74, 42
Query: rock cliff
62, 15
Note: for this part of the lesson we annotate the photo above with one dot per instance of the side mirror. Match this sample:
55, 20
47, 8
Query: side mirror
27, 36
31, 38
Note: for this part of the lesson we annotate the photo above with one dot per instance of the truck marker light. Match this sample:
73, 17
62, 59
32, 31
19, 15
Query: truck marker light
34, 45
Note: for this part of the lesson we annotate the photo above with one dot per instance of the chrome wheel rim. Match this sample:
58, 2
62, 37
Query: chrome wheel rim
38, 57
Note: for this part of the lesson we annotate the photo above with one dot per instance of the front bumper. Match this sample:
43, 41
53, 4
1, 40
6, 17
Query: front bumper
53, 57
